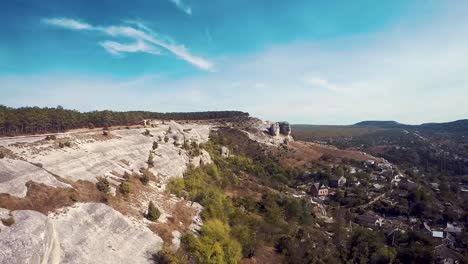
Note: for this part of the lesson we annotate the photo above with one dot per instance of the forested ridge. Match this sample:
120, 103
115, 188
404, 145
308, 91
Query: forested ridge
33, 120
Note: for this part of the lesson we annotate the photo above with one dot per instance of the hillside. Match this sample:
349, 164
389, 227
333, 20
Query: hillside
172, 191
390, 124
458, 125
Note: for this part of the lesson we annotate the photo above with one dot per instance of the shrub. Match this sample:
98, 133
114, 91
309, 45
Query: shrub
147, 133
176, 186
39, 165
103, 185
145, 177
105, 133
153, 212
150, 160
155, 145
8, 221
126, 175
166, 139
51, 137
215, 245
61, 145
125, 188
2, 155
166, 256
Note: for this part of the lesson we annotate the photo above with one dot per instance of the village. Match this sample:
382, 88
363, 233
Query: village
375, 193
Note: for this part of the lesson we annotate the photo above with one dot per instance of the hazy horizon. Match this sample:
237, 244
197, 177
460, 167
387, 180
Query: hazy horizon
307, 62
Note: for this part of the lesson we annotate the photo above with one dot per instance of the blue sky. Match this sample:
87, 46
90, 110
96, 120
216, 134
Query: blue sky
314, 61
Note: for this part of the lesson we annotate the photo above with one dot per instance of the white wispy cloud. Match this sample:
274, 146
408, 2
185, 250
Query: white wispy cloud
67, 23
144, 40
117, 48
182, 6
409, 74
317, 82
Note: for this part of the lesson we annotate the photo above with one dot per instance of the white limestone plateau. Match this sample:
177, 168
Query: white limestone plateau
14, 174
87, 158
83, 233
94, 232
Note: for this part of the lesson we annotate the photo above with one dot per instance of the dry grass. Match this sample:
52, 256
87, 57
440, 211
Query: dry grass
265, 255
46, 199
302, 153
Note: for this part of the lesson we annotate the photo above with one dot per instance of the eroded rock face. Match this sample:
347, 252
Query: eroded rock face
284, 128
274, 129
84, 233
225, 152
278, 128
126, 150
25, 240
14, 174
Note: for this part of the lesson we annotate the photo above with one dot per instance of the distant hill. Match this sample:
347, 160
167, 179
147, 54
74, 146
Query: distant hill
454, 125
378, 124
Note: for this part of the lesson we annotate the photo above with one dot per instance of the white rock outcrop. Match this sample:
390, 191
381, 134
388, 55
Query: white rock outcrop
128, 150
14, 174
84, 233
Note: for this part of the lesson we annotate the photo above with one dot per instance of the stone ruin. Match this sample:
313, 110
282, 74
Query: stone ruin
278, 128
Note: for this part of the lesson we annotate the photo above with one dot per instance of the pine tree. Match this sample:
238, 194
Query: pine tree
153, 212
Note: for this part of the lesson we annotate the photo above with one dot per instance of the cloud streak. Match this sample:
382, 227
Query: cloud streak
144, 40
182, 6
117, 48
67, 23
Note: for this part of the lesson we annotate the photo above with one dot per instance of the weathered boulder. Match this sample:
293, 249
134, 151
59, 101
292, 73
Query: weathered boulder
284, 128
84, 233
225, 152
278, 128
274, 129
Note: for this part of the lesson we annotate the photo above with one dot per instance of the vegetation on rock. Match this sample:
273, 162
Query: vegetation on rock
103, 185
153, 212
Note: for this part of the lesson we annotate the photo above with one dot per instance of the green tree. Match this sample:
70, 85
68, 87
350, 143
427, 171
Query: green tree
384, 255
339, 171
153, 212
215, 245
125, 188
103, 185
151, 160
363, 245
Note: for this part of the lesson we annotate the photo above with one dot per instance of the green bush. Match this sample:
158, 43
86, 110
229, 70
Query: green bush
145, 177
153, 212
215, 245
125, 188
155, 145
51, 137
176, 186
8, 221
166, 256
150, 160
103, 185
